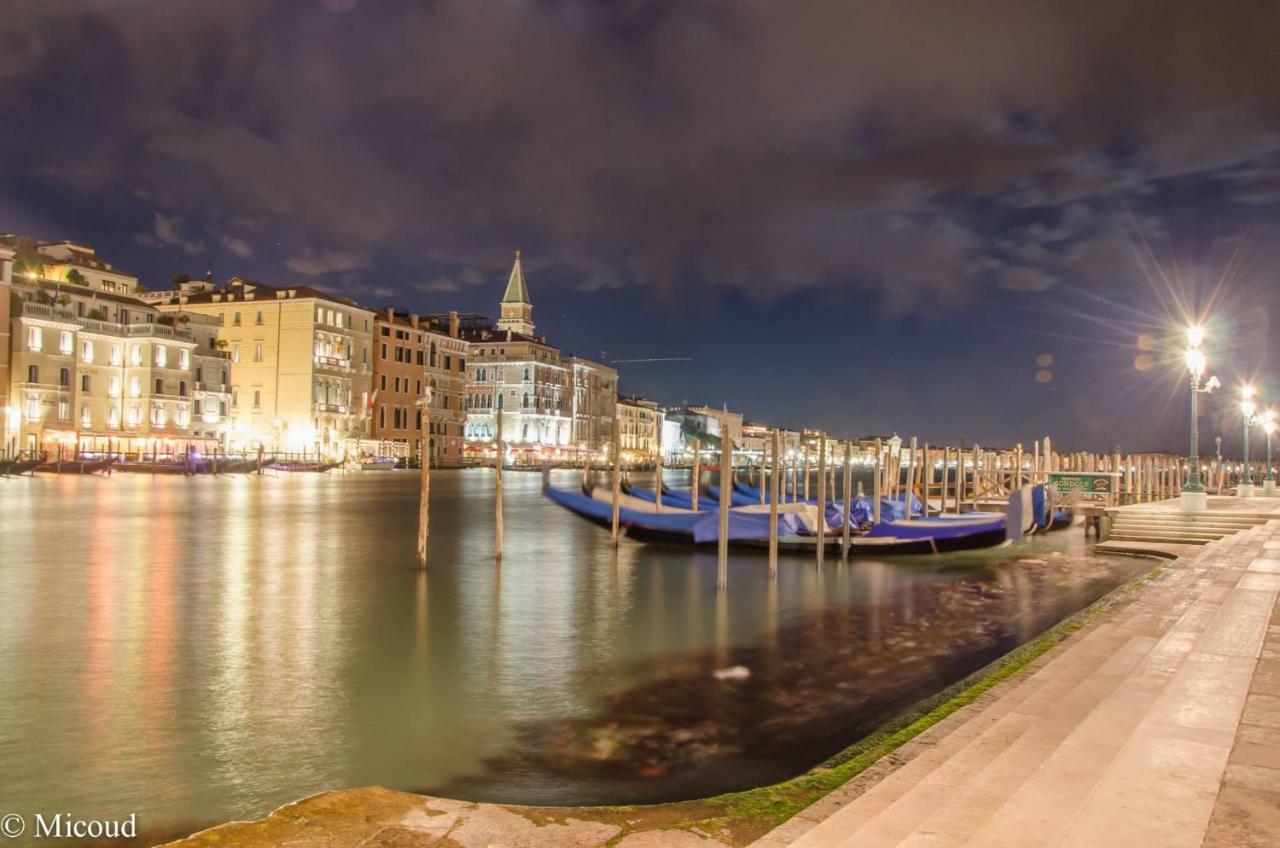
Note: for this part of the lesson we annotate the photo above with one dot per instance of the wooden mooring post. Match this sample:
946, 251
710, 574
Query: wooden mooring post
615, 484
498, 529
697, 471
657, 462
423, 492
822, 497
726, 477
875, 484
848, 500
773, 505
911, 474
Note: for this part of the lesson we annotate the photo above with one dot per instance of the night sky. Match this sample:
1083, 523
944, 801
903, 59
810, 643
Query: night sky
953, 220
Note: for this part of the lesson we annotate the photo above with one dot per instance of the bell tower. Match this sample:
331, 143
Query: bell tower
517, 310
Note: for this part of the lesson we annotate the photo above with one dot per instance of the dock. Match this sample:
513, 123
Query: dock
1158, 723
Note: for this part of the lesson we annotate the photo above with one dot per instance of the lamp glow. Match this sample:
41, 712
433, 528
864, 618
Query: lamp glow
1195, 335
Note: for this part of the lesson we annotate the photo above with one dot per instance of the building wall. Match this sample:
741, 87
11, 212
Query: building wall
534, 387
639, 426
301, 368
593, 402
6, 274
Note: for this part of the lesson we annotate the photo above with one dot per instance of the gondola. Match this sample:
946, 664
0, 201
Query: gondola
75, 466
294, 466
640, 519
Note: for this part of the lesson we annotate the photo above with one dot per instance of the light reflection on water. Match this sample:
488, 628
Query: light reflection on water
197, 650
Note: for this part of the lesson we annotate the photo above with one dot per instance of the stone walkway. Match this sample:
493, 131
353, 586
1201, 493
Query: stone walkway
1158, 726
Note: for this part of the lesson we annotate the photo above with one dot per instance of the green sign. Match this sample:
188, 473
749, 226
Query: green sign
1070, 483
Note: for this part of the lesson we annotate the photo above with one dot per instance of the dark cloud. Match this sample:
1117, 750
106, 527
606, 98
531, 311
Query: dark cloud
909, 151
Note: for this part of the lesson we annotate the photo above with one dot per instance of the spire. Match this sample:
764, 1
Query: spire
517, 292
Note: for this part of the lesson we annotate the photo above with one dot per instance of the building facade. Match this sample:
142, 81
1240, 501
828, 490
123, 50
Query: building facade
411, 353
640, 426
301, 363
93, 369
592, 403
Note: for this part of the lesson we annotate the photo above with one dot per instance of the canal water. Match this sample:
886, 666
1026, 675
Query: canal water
199, 650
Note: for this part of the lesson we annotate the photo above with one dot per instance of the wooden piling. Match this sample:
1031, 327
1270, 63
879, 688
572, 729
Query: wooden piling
697, 471
875, 485
806, 469
822, 498
911, 473
726, 475
657, 486
424, 489
848, 500
499, 529
773, 506
942, 495
615, 484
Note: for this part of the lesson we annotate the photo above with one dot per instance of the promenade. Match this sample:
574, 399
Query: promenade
1157, 725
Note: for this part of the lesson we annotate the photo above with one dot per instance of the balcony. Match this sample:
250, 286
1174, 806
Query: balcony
333, 363
159, 331
217, 388
49, 313
331, 407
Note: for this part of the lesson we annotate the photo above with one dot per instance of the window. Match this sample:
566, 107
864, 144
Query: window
64, 410
115, 354
235, 353
235, 398
384, 350
86, 351
64, 377
33, 407
86, 417
184, 359
257, 399
162, 356
257, 352
159, 386
113, 387
135, 415
135, 354
65, 345
157, 414
182, 388
382, 385
382, 416
448, 362
431, 359
135, 387
113, 416
84, 383
184, 416
258, 318
35, 339
33, 374
235, 319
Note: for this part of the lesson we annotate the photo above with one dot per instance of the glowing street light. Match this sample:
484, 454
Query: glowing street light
1249, 411
1269, 427
1193, 495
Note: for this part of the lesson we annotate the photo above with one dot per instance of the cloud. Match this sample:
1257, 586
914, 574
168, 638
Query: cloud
166, 230
237, 245
439, 284
326, 261
675, 147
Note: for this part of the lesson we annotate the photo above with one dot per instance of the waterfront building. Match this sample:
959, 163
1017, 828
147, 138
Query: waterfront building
705, 424
410, 353
512, 368
639, 423
301, 364
592, 404
93, 368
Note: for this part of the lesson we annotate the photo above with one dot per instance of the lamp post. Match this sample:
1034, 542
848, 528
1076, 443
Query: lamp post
1269, 427
1248, 410
1193, 496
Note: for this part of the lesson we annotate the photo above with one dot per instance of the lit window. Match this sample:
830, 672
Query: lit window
35, 339
135, 415
86, 417
157, 414
235, 353
65, 344
184, 359
115, 354
184, 416
113, 387
64, 410
162, 356
135, 387
113, 416
33, 407
135, 354
86, 351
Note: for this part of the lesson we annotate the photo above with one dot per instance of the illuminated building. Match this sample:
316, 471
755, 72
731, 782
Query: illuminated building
411, 352
301, 364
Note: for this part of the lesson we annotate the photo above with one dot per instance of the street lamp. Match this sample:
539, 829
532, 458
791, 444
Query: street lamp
1193, 495
1248, 410
1269, 427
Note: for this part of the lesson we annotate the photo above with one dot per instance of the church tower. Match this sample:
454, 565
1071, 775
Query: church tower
517, 310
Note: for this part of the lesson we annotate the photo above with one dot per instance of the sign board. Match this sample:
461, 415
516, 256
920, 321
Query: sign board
1084, 482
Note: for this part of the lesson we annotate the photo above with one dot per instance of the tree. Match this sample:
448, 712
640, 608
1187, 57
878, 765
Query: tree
74, 276
179, 279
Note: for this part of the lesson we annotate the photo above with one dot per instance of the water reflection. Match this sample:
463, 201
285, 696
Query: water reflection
206, 649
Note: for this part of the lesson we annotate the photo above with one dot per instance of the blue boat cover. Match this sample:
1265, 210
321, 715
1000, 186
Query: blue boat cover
939, 527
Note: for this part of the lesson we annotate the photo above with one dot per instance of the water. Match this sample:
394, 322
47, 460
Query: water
197, 650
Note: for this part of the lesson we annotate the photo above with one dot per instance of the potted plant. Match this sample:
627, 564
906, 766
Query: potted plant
97, 315
74, 276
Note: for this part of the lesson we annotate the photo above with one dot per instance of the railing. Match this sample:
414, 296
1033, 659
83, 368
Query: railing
220, 388
42, 387
331, 407
333, 362
159, 330
41, 310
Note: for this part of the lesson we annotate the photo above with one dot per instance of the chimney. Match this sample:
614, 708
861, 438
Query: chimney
453, 323
391, 314
413, 320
